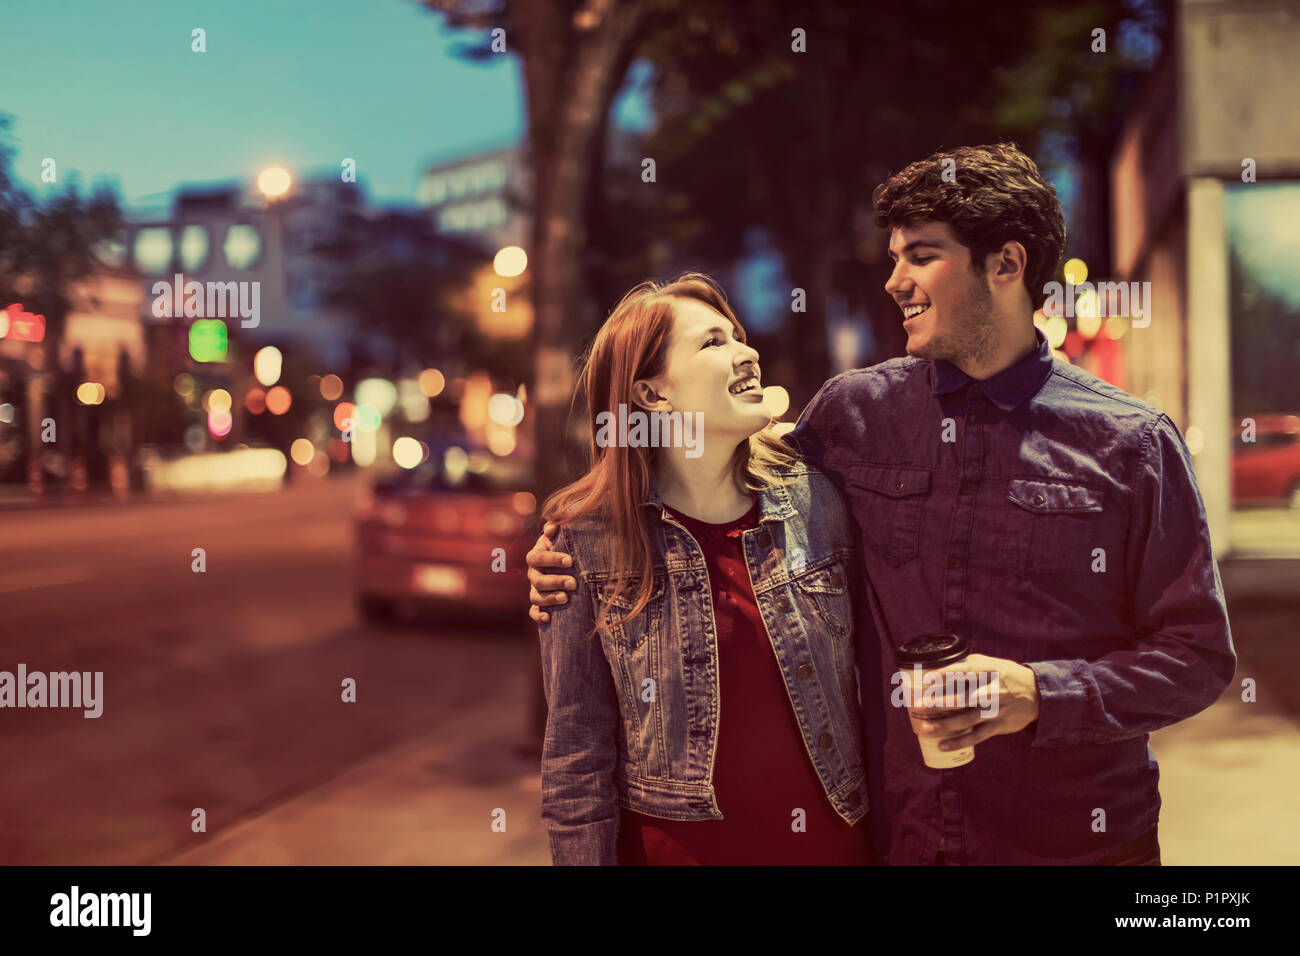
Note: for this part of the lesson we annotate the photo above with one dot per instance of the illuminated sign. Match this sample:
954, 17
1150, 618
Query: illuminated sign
208, 340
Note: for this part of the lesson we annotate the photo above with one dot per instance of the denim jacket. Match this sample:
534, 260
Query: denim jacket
633, 711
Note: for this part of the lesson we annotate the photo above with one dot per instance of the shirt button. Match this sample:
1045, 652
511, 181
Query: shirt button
825, 741
900, 486
783, 603
955, 564
804, 672
1039, 499
972, 418
764, 539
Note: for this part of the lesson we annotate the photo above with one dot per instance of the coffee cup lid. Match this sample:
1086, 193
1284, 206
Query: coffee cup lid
932, 650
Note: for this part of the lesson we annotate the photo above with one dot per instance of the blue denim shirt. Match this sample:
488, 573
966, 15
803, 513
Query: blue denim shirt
633, 712
1053, 520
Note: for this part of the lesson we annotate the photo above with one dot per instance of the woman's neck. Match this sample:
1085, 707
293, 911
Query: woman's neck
703, 488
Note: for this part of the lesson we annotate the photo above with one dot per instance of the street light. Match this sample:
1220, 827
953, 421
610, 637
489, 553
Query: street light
510, 261
274, 182
267, 365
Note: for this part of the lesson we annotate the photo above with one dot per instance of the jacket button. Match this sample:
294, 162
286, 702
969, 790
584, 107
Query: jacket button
764, 539
836, 581
854, 799
804, 672
783, 603
824, 741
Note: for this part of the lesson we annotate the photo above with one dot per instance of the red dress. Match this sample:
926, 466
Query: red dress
761, 771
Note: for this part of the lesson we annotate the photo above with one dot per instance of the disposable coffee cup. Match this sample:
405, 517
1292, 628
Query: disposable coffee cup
930, 652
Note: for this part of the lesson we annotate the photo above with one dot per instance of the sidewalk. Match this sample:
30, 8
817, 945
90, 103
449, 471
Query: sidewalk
1229, 779
428, 802
18, 497
1230, 783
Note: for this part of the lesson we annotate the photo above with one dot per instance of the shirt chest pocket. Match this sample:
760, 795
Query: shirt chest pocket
1053, 527
886, 501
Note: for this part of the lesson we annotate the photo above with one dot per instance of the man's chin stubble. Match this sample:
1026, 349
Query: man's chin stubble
969, 350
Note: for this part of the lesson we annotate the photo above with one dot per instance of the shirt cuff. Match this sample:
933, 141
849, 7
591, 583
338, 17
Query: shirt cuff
1062, 702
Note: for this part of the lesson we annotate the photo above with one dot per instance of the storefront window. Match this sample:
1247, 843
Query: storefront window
1264, 303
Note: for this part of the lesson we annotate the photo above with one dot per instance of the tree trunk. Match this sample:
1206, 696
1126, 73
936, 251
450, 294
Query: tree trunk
565, 122
571, 78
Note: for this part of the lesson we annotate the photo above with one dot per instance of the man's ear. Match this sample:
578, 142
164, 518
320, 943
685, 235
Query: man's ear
1010, 262
645, 395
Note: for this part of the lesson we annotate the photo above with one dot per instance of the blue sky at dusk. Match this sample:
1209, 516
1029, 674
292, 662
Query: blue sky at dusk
113, 90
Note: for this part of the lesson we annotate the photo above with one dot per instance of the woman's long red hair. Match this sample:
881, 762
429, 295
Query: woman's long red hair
632, 345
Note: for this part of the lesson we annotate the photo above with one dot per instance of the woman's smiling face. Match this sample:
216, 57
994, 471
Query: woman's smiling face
704, 364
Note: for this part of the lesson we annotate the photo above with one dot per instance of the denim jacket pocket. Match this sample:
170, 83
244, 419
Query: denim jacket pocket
886, 500
633, 632
825, 594
1053, 526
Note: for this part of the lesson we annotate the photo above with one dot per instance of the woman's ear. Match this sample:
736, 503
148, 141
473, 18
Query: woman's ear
646, 396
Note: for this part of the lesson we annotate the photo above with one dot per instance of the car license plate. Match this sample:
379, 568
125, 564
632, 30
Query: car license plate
440, 579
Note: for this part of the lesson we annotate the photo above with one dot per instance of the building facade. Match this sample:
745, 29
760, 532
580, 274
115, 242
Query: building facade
1206, 202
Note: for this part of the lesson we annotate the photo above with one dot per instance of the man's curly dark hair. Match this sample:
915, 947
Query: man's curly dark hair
997, 195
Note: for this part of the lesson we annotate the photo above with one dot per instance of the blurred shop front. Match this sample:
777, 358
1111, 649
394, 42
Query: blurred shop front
1206, 208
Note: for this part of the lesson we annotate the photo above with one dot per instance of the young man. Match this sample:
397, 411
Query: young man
1046, 516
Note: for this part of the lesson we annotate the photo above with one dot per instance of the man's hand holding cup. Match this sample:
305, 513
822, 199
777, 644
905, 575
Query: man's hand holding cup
985, 696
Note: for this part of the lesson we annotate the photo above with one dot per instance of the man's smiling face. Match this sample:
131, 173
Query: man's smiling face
947, 308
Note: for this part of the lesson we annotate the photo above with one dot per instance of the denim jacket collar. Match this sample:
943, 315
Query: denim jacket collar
773, 502
1009, 387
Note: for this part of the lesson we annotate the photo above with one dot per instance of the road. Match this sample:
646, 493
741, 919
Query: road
222, 689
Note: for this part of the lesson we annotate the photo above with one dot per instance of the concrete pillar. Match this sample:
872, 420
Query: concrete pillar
1209, 353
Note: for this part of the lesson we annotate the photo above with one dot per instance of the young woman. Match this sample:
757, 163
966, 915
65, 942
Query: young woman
702, 694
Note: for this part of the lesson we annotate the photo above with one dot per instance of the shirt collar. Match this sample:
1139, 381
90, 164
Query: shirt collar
1009, 387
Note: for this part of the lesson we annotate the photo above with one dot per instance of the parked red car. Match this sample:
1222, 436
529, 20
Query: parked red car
446, 538
1267, 470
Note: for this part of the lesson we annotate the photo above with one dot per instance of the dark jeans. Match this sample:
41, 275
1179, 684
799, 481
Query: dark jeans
1144, 851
